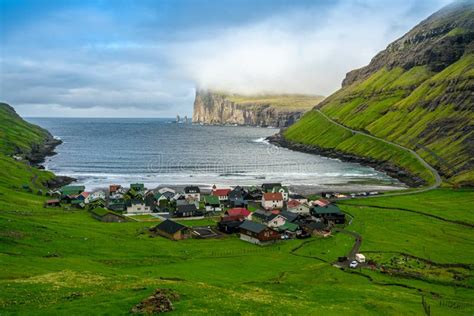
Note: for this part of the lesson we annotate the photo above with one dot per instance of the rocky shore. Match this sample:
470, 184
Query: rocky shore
38, 154
383, 166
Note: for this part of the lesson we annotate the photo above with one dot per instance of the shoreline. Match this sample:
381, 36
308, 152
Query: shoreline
38, 155
385, 167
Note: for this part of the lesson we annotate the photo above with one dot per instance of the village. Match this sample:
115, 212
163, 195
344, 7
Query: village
260, 215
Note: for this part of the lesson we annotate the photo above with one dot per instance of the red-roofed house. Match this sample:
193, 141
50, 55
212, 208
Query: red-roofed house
321, 203
238, 211
295, 206
222, 194
272, 201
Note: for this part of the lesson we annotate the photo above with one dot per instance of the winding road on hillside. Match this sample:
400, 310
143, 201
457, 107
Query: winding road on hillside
423, 162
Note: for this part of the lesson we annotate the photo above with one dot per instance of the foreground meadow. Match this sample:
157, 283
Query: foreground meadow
65, 262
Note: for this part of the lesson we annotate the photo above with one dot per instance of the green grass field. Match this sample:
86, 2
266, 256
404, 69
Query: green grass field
64, 262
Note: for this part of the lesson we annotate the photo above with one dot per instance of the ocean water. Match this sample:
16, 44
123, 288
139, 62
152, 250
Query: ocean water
101, 151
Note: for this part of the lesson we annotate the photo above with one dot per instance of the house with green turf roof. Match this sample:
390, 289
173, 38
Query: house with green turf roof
72, 189
212, 203
107, 216
289, 229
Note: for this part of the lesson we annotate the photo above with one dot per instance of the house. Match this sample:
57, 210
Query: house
137, 187
222, 194
52, 203
114, 188
239, 212
164, 190
254, 194
237, 197
192, 193
267, 187
72, 189
329, 213
107, 216
313, 227
257, 233
167, 195
172, 230
138, 207
78, 203
260, 216
84, 196
290, 230
212, 203
283, 190
97, 195
186, 210
275, 220
294, 206
272, 201
298, 197
321, 203
290, 217
116, 205
229, 226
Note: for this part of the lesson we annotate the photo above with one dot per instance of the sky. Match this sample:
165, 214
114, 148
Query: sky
118, 58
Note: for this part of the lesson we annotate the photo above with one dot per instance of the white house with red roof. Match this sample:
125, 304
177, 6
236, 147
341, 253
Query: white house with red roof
272, 201
295, 206
222, 194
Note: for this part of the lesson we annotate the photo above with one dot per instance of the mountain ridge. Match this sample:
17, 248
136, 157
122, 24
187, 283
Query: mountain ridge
416, 93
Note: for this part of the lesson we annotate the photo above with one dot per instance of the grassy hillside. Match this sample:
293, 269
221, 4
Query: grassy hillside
291, 102
409, 96
17, 135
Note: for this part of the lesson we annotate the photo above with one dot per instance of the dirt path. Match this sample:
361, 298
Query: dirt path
357, 241
423, 162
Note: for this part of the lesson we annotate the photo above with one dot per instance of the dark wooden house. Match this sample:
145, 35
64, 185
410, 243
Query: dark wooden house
329, 213
257, 233
172, 230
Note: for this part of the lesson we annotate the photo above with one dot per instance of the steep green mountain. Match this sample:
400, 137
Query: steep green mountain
417, 93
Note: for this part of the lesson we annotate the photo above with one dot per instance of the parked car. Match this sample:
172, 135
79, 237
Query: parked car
353, 264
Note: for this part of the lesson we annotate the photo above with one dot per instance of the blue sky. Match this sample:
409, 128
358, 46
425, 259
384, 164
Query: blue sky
145, 58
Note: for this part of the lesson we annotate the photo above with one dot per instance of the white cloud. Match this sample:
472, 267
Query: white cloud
298, 52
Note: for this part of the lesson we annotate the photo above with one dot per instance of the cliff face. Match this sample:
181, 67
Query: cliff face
217, 108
